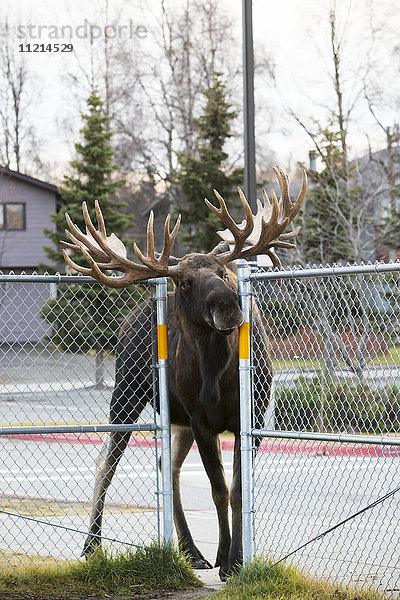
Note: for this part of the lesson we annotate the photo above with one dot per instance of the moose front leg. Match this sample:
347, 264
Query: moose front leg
106, 463
182, 440
210, 452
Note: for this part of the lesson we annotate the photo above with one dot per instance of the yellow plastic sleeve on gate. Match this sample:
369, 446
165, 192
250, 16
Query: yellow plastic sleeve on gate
162, 342
244, 340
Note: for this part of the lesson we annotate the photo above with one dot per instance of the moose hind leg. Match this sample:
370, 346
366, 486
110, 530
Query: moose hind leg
210, 452
106, 464
182, 440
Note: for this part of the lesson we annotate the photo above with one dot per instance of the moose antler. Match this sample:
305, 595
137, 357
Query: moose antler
104, 252
257, 234
265, 230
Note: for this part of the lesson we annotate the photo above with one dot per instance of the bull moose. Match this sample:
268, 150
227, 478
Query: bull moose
203, 322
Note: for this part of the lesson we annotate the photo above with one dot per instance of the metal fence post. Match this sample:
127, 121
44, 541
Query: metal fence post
246, 414
271, 408
166, 473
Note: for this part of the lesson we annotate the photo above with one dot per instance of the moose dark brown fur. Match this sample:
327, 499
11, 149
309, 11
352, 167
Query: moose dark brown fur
203, 324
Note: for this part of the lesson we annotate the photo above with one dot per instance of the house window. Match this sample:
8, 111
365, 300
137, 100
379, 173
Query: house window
12, 216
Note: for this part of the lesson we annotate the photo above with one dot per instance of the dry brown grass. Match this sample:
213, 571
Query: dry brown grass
39, 507
9, 561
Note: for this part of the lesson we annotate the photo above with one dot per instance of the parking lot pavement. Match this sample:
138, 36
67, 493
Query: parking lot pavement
40, 364
39, 385
297, 497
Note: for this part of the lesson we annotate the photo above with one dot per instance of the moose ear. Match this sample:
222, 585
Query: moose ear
221, 248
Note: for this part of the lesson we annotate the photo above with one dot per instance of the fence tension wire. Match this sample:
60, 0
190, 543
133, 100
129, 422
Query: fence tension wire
101, 537
324, 533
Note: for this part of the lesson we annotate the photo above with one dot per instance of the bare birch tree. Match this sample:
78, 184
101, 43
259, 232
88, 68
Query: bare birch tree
19, 148
13, 74
338, 218
189, 42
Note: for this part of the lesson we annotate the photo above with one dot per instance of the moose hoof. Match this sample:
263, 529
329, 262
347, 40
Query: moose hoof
223, 575
90, 548
198, 562
228, 570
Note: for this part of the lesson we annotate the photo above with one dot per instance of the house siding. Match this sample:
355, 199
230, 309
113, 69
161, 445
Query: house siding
21, 303
24, 249
20, 308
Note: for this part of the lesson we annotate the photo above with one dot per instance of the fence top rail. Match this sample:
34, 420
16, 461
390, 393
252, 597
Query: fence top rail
35, 278
288, 273
336, 271
99, 428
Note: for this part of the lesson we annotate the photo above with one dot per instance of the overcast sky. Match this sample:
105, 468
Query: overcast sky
293, 31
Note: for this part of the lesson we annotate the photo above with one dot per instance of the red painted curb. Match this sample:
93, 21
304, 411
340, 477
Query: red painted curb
272, 447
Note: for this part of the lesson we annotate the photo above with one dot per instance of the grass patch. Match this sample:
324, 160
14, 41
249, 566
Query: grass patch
131, 572
280, 364
390, 359
285, 582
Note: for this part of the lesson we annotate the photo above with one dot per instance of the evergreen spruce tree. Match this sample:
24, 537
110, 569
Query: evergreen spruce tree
198, 175
87, 317
92, 181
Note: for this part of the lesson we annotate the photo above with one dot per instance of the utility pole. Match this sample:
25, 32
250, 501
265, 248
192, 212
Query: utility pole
248, 106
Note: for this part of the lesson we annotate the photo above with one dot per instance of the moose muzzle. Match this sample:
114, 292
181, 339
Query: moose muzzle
224, 311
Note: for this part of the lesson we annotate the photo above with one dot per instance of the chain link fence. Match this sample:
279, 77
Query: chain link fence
57, 359
330, 445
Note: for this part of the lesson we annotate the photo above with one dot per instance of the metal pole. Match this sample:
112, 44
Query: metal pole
250, 186
343, 438
271, 408
166, 473
246, 415
298, 273
78, 429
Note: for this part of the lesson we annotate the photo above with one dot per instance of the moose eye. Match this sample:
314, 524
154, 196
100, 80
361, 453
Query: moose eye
225, 276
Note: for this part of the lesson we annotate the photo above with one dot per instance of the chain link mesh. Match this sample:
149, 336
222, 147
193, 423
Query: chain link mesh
335, 349
57, 357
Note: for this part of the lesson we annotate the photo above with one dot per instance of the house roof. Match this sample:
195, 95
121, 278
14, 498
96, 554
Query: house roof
4, 171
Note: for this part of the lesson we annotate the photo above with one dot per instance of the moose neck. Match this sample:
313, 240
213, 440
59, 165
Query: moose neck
214, 352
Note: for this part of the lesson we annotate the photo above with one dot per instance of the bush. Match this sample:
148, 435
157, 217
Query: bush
347, 407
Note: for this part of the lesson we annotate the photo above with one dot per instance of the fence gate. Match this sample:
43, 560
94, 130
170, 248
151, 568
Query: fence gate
330, 444
57, 355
